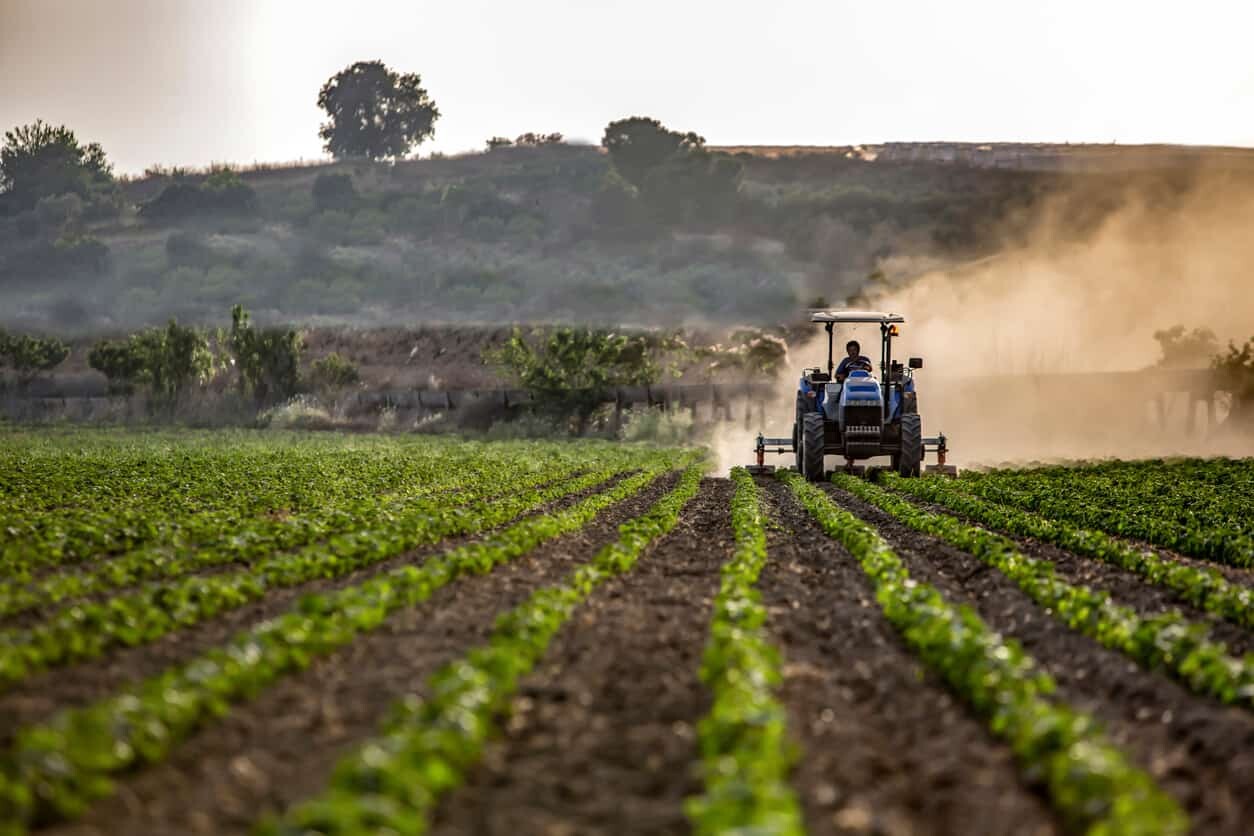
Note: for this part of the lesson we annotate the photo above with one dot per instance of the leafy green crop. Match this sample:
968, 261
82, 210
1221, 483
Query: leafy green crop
86, 630
392, 783
54, 770
745, 749
1203, 508
1167, 642
1205, 589
1090, 782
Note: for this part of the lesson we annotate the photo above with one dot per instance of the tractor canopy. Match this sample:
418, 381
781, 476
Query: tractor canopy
856, 317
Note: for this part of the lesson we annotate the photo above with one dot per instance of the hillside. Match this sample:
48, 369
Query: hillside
537, 234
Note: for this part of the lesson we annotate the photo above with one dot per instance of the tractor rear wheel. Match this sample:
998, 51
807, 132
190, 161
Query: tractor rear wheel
909, 461
812, 446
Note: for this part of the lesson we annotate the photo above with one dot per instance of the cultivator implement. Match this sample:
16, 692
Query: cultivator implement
765, 444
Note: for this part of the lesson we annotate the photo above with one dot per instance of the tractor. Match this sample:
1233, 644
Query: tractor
861, 417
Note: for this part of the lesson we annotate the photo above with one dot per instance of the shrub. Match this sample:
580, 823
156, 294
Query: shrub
28, 356
222, 192
266, 359
334, 372
334, 191
657, 426
165, 360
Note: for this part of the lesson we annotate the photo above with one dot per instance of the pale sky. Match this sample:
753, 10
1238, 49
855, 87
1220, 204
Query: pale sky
188, 82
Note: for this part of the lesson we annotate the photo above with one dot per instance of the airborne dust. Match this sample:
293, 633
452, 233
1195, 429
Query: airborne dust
1016, 344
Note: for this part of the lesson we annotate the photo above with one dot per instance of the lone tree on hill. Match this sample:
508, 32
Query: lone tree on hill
375, 113
40, 160
639, 145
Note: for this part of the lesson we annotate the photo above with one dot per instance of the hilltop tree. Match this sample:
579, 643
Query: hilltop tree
375, 113
40, 160
640, 145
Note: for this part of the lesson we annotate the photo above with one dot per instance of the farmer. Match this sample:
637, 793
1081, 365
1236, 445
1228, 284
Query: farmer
855, 360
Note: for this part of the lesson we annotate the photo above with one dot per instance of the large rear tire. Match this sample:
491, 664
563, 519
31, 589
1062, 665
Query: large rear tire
796, 432
909, 461
812, 446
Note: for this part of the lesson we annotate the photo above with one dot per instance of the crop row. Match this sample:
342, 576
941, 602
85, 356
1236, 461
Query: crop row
1203, 588
1193, 517
1090, 782
1167, 641
216, 494
391, 783
55, 769
86, 630
246, 541
744, 742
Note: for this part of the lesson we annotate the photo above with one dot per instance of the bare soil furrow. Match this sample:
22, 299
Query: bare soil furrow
1199, 750
884, 747
281, 747
602, 734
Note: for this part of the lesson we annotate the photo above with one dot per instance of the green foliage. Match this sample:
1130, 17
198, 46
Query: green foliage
28, 355
1168, 642
222, 192
39, 161
334, 372
1091, 783
570, 369
167, 361
375, 113
639, 146
1235, 368
1203, 508
393, 783
334, 191
1204, 588
267, 360
58, 767
745, 750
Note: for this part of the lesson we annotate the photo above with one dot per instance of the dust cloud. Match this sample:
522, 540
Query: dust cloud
1042, 351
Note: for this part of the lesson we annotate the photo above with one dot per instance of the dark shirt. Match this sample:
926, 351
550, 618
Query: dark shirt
843, 369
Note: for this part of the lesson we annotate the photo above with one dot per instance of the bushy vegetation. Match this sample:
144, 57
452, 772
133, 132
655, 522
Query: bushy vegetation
165, 361
266, 360
28, 355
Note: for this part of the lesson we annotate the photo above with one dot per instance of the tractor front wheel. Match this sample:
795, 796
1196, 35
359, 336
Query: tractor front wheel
909, 461
812, 446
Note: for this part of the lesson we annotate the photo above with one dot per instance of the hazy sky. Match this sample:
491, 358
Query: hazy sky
194, 81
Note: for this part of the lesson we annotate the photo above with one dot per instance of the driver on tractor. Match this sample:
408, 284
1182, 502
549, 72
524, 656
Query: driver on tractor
855, 359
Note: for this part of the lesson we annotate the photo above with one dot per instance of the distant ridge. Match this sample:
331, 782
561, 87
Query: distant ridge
1028, 156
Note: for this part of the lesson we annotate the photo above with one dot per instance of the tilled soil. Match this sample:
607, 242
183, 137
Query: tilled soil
280, 748
602, 735
38, 696
884, 747
1125, 587
1199, 750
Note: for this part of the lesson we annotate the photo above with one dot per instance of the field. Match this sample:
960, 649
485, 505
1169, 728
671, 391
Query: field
312, 633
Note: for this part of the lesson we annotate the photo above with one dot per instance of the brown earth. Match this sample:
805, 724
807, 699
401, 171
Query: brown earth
1199, 751
603, 734
281, 747
38, 696
884, 747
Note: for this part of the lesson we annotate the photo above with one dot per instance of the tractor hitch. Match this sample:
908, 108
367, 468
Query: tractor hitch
762, 447
938, 446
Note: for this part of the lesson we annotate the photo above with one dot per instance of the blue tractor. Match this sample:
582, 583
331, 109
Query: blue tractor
860, 417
